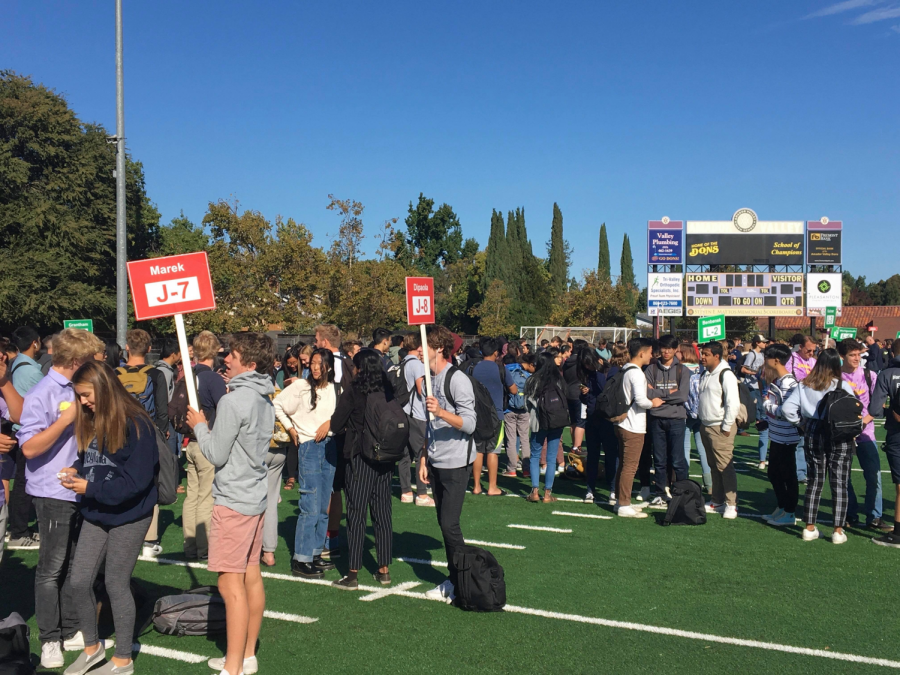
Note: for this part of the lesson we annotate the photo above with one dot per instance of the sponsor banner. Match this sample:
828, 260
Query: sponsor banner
822, 291
744, 294
823, 243
665, 242
664, 294
744, 240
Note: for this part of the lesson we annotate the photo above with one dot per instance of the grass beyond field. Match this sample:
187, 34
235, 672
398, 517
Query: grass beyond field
611, 596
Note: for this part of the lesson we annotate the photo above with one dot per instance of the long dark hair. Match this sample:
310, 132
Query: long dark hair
370, 377
327, 374
586, 364
546, 373
112, 355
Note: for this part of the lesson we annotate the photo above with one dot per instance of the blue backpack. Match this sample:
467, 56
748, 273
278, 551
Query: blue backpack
519, 377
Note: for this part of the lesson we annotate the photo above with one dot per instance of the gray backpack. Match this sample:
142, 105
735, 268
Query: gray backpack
15, 652
199, 611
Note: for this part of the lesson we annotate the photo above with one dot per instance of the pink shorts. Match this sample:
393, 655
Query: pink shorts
235, 540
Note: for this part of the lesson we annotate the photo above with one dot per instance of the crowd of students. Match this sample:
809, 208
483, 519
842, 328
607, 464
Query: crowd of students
84, 425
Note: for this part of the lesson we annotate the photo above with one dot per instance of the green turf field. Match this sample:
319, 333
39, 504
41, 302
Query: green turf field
612, 596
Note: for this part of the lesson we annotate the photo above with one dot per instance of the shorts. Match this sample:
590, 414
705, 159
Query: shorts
235, 540
575, 414
891, 447
493, 447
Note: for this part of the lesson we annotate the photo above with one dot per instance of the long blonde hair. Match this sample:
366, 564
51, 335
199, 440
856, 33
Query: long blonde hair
113, 407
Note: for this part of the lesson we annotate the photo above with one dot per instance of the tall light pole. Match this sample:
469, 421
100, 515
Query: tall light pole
121, 232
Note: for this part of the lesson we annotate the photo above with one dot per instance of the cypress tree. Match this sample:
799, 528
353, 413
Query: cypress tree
559, 271
496, 263
627, 264
603, 263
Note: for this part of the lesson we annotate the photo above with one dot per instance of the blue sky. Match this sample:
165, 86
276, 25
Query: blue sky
620, 112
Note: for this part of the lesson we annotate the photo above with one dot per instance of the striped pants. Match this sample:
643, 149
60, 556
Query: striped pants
368, 485
836, 460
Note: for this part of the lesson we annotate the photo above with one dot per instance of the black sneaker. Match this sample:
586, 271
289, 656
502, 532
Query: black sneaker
331, 554
305, 570
346, 583
323, 565
891, 539
383, 579
880, 526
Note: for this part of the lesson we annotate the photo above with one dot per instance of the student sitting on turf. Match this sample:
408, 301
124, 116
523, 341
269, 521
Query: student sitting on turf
237, 447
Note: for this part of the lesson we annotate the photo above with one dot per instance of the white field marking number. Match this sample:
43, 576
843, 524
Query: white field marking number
172, 291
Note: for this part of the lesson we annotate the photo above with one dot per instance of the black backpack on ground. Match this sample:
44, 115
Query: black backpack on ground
611, 403
487, 424
15, 650
747, 408
552, 408
840, 415
397, 377
168, 478
687, 506
479, 586
200, 611
385, 429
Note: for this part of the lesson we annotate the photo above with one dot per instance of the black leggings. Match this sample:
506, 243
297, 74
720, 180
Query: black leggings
292, 462
782, 471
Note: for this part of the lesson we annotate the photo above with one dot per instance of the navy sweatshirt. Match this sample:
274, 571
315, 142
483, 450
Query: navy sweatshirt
596, 383
121, 485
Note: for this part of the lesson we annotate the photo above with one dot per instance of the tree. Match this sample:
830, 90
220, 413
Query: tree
603, 263
497, 263
58, 211
557, 263
345, 249
626, 264
596, 302
494, 311
181, 236
432, 237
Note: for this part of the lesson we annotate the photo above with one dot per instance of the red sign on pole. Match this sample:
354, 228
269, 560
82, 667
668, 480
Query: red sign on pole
176, 284
419, 300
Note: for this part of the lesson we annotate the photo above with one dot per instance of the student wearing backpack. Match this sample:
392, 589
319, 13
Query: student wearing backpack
574, 391
887, 391
448, 455
305, 409
749, 371
783, 436
862, 381
718, 408
687, 355
599, 432
118, 460
822, 454
10, 412
666, 425
545, 393
367, 483
498, 381
631, 428
413, 371
237, 447
516, 418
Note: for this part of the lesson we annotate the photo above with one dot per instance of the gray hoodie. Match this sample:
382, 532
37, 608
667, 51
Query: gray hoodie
239, 441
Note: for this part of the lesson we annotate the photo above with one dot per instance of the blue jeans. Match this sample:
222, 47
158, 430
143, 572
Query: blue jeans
317, 462
667, 442
870, 463
763, 447
600, 433
800, 454
693, 429
537, 439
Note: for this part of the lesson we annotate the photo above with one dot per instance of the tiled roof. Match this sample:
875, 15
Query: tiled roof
851, 317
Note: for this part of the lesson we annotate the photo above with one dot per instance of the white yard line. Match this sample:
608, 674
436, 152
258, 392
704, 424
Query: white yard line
478, 542
538, 528
581, 515
385, 591
167, 653
422, 561
284, 616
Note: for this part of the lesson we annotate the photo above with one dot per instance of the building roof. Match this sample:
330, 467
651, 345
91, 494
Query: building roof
886, 318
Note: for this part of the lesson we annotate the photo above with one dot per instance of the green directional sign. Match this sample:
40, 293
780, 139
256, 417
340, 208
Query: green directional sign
898, 334
83, 324
838, 333
830, 315
710, 328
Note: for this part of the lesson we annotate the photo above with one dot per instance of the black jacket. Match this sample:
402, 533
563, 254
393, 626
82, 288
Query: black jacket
887, 389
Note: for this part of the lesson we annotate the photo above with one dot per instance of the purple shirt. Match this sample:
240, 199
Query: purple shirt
41, 409
7, 465
862, 387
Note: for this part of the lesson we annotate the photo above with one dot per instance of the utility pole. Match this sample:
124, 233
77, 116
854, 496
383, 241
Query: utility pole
121, 233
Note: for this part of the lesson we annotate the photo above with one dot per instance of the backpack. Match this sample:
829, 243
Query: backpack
167, 478
840, 416
519, 378
397, 377
611, 404
487, 424
138, 383
178, 406
747, 409
480, 586
15, 650
552, 408
687, 506
200, 611
385, 429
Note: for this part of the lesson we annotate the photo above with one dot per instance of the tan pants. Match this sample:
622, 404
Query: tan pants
630, 447
719, 448
196, 515
153, 530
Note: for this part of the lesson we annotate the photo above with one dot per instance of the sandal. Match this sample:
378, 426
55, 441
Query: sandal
180, 489
289, 484
533, 496
262, 559
548, 497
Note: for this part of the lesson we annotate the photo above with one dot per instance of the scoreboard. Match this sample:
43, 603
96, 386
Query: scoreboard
744, 294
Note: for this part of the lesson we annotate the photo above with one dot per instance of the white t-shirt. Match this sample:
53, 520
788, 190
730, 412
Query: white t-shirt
413, 369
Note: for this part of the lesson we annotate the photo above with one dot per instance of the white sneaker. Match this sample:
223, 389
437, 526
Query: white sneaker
250, 664
775, 515
51, 655
838, 538
644, 494
74, 643
630, 512
151, 550
762, 465
588, 497
543, 470
811, 535
730, 513
560, 468
443, 592
658, 503
712, 507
